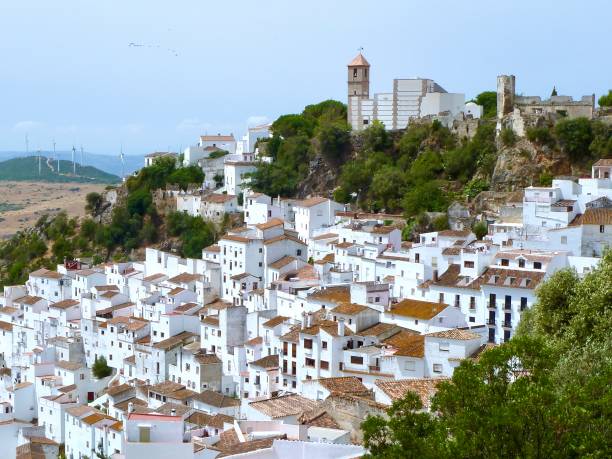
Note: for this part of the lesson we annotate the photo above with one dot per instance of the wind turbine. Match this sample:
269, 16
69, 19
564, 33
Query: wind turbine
57, 157
122, 163
27, 141
73, 163
39, 168
82, 157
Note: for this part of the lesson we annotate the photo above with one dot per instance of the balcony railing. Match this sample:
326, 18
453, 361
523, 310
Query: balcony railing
374, 367
507, 324
492, 305
490, 321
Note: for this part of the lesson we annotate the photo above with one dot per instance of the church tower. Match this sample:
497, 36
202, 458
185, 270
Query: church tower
358, 88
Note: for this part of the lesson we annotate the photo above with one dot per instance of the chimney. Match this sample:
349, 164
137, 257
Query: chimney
309, 319
303, 320
173, 412
340, 326
130, 408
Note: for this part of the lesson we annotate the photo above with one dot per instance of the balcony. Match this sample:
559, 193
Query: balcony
374, 368
507, 324
491, 305
507, 306
490, 321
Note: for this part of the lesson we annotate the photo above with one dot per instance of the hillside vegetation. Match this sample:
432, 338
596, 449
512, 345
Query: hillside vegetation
134, 222
544, 394
21, 169
424, 167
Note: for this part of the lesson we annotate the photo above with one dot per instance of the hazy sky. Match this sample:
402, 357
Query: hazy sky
67, 70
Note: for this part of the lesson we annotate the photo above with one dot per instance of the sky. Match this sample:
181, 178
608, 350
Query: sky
69, 74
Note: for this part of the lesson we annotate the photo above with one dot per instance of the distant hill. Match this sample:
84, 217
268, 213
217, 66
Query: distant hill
107, 163
20, 169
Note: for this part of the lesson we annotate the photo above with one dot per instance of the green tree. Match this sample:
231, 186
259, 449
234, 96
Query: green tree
605, 100
387, 188
375, 137
93, 201
575, 136
425, 197
488, 100
508, 137
100, 368
480, 230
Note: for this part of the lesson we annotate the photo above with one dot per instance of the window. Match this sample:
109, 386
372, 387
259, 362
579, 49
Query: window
537, 265
324, 365
437, 368
354, 73
324, 344
523, 303
307, 343
468, 264
144, 434
505, 262
521, 262
602, 228
358, 360
309, 362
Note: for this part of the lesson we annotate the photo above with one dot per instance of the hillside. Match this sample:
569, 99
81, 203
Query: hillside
22, 169
425, 167
108, 163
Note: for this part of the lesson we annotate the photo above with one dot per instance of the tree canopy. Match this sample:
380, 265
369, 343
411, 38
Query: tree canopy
544, 394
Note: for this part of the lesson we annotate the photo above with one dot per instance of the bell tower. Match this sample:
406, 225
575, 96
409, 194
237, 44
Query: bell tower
358, 88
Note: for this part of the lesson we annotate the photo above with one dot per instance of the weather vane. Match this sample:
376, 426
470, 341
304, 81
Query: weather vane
360, 49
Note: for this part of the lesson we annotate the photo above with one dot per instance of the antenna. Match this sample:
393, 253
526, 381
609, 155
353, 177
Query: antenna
73, 163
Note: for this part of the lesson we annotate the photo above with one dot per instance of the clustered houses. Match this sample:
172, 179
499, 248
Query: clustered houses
278, 325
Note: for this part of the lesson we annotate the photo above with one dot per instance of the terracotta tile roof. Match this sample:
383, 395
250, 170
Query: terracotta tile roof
285, 405
166, 388
105, 288
407, 344
324, 236
240, 448
175, 291
218, 198
452, 278
511, 278
329, 258
179, 339
283, 237
318, 418
6, 326
70, 366
43, 272
154, 277
380, 329
254, 341
336, 295
241, 276
359, 61
200, 418
113, 391
274, 321
344, 245
218, 138
597, 216
28, 299
64, 304
80, 410
216, 399
184, 278
603, 162
270, 224
382, 229
310, 202
231, 237
207, 359
292, 336
455, 334
424, 388
329, 326
268, 362
167, 408
349, 309
137, 403
344, 384
212, 248
281, 262
424, 310
211, 320
454, 233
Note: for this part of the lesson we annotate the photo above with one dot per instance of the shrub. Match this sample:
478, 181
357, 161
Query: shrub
480, 229
100, 368
508, 137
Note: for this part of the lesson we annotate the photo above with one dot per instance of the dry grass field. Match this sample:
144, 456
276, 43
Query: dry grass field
23, 203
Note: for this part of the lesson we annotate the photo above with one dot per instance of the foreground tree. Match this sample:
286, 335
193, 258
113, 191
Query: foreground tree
100, 368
